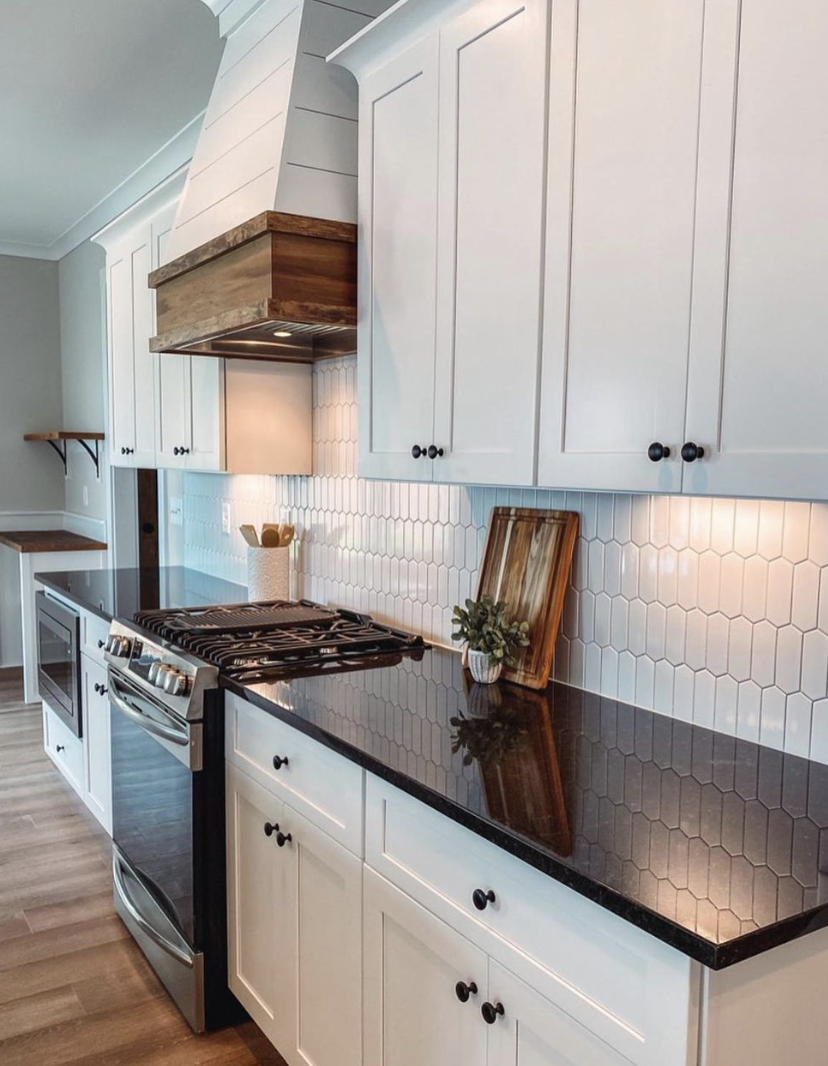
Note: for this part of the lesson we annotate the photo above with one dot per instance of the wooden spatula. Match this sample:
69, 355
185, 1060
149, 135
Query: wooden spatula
286, 534
250, 535
271, 537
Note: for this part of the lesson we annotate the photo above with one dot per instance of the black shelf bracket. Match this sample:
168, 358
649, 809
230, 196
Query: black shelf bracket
94, 456
61, 452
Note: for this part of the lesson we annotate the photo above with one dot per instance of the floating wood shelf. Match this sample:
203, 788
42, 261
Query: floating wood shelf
54, 437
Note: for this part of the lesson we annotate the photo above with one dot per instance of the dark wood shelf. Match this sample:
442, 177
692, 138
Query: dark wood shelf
28, 541
53, 436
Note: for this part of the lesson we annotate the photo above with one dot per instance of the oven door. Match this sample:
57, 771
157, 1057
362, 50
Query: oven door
58, 660
156, 757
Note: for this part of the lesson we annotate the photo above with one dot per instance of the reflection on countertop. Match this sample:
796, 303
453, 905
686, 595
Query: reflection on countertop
122, 593
715, 845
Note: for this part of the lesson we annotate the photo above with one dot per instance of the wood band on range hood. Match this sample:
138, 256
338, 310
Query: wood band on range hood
275, 273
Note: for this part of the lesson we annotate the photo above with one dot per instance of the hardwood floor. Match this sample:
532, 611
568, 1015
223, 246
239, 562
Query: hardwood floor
74, 988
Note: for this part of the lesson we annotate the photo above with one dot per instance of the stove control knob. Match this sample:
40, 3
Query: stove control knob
119, 647
161, 674
177, 685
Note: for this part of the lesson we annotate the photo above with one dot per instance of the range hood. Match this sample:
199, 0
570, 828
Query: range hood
261, 259
280, 287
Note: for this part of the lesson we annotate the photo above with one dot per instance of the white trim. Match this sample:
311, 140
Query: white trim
166, 191
166, 162
83, 525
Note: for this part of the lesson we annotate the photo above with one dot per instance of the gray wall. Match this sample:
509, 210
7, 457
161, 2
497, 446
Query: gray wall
31, 477
83, 352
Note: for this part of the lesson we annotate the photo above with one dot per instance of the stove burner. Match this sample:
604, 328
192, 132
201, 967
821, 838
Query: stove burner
268, 641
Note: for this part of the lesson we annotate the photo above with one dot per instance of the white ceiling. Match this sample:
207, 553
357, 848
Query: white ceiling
90, 90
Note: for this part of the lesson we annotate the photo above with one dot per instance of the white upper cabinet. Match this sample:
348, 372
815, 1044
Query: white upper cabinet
493, 62
758, 387
624, 102
452, 120
398, 264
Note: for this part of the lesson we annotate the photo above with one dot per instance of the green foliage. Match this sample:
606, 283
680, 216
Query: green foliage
484, 626
490, 739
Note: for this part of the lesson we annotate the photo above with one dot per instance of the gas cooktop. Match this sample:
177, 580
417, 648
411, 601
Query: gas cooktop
252, 642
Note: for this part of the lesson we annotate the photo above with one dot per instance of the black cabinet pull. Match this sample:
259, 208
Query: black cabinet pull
434, 452
491, 1012
418, 452
691, 452
283, 838
279, 762
657, 451
482, 899
60, 748
185, 451
101, 689
270, 828
176, 450
101, 644
463, 990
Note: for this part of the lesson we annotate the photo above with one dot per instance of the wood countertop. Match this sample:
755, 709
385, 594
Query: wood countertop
29, 541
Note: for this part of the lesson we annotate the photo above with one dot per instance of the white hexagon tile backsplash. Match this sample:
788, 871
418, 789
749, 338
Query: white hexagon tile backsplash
714, 611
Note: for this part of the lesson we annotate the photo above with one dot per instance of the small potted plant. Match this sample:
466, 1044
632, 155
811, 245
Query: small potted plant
491, 638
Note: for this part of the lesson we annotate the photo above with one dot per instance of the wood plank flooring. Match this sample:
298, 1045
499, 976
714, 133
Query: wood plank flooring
74, 988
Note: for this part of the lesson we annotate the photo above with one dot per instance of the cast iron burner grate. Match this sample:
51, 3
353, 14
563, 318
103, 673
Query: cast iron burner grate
281, 639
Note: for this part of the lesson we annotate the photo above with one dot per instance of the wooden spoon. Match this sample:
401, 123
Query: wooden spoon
271, 537
286, 534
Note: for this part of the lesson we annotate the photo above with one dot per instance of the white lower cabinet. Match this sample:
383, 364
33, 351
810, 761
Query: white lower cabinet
533, 1031
413, 964
97, 763
295, 927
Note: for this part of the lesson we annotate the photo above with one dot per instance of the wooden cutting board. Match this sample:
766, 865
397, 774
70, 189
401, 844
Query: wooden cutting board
527, 563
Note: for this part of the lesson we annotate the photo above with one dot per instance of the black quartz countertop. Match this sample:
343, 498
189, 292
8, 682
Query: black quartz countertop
714, 845
121, 593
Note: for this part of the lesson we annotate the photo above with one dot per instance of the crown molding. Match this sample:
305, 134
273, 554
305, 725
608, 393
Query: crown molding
173, 155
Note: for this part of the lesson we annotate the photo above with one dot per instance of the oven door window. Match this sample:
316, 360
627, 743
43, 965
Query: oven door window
152, 814
56, 660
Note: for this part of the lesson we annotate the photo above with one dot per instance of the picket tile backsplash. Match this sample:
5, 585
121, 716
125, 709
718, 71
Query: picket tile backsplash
714, 611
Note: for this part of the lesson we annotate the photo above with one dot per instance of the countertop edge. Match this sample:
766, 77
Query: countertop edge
713, 956
48, 582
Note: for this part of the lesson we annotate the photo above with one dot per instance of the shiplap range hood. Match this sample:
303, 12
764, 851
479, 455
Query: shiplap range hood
261, 261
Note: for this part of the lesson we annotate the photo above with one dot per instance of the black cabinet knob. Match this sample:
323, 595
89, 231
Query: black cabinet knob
463, 990
270, 828
434, 452
101, 644
101, 689
283, 838
491, 1012
691, 452
482, 899
185, 451
60, 748
418, 452
279, 762
657, 451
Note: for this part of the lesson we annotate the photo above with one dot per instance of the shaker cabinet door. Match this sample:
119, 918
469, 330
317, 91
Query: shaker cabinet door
493, 64
97, 763
121, 357
256, 882
398, 221
758, 386
412, 965
205, 411
533, 1031
174, 411
623, 122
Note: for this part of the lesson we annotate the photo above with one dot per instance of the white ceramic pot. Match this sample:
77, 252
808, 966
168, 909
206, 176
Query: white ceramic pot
484, 669
268, 574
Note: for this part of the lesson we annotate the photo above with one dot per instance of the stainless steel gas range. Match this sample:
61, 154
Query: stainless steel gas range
168, 767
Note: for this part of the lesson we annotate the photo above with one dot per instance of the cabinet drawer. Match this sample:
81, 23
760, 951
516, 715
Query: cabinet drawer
323, 786
628, 988
94, 632
63, 748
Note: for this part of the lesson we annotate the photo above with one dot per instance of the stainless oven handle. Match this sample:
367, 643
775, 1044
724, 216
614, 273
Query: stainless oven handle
175, 736
123, 893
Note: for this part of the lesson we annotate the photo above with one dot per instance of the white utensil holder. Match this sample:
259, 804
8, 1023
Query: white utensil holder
268, 574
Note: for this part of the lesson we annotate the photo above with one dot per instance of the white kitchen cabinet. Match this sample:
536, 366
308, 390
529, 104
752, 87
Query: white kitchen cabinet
256, 885
191, 405
533, 1031
623, 117
293, 893
758, 388
398, 263
451, 209
133, 243
413, 963
97, 763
